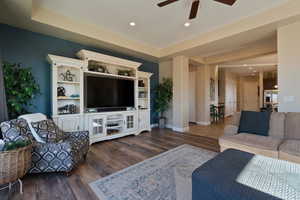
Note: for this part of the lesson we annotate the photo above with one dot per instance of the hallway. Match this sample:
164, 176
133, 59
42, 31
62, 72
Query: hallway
214, 131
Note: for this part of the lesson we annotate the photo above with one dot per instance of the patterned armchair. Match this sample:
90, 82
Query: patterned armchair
55, 156
63, 156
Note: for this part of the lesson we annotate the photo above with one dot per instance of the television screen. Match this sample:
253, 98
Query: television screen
104, 92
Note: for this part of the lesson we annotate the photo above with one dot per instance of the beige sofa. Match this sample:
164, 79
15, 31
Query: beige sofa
283, 141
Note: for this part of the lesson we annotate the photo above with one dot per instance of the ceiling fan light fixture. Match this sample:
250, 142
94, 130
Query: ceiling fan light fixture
187, 24
195, 5
132, 23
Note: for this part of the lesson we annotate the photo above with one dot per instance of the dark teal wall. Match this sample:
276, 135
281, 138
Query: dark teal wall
30, 49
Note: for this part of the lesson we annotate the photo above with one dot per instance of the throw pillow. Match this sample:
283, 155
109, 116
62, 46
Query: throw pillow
255, 123
16, 129
48, 131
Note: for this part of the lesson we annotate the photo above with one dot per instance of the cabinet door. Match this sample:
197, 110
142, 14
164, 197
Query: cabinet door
70, 123
144, 120
97, 125
130, 122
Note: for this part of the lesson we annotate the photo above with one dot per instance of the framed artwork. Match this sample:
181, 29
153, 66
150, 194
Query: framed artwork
212, 89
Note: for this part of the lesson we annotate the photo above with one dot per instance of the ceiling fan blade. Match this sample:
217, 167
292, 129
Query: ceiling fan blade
228, 2
164, 3
194, 10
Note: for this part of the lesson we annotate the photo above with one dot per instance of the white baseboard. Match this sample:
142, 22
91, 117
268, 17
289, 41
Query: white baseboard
170, 126
203, 123
182, 130
154, 125
167, 126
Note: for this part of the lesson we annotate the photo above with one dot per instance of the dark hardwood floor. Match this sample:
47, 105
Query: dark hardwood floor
103, 159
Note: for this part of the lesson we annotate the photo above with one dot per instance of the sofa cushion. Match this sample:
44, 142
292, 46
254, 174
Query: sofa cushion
277, 129
251, 140
48, 131
254, 123
292, 126
16, 129
35, 117
291, 147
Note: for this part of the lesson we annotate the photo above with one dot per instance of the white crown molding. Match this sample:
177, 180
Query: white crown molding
91, 55
31, 17
249, 65
56, 20
60, 60
274, 17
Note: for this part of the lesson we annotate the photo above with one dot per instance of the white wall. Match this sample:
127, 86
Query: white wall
289, 67
228, 91
248, 93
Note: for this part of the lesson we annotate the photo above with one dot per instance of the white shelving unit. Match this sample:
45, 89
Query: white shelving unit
60, 65
144, 101
101, 125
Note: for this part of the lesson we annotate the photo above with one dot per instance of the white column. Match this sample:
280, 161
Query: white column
261, 89
166, 71
215, 76
180, 94
289, 67
203, 95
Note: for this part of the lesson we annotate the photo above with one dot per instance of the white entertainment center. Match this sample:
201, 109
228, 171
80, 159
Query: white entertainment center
69, 106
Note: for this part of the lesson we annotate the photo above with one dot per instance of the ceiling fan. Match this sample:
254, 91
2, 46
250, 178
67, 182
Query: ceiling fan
195, 5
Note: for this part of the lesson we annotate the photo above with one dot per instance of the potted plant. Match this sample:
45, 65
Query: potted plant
20, 88
164, 95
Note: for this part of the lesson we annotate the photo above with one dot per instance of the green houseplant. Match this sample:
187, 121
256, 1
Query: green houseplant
20, 88
164, 95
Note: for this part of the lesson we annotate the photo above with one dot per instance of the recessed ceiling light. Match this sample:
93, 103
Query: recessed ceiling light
132, 24
187, 24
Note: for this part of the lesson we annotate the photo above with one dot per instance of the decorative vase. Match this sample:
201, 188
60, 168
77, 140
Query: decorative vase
162, 122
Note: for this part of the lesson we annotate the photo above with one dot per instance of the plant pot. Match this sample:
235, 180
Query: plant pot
162, 122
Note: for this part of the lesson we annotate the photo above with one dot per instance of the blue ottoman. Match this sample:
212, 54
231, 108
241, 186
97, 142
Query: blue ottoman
229, 176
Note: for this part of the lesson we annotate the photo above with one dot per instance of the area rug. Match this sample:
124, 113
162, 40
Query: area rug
166, 176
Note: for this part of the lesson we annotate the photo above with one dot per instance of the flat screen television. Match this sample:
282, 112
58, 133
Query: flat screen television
108, 93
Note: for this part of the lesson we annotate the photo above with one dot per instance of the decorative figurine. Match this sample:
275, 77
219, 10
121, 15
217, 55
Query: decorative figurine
68, 76
125, 72
75, 95
141, 83
97, 67
68, 109
61, 91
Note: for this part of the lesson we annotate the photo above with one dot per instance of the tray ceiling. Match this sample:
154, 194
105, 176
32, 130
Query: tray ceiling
157, 27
